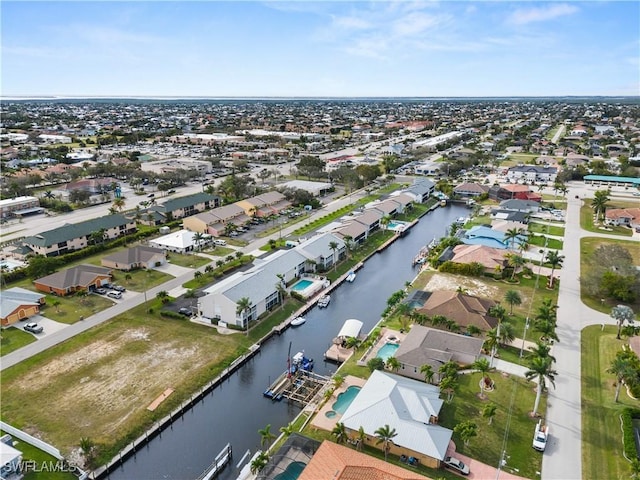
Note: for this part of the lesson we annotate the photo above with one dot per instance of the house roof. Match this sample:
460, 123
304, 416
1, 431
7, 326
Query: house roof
187, 201
13, 298
78, 276
318, 246
424, 345
471, 187
404, 404
77, 230
421, 187
615, 213
336, 462
227, 212
489, 257
463, 309
517, 204
387, 206
534, 168
180, 239
352, 229
138, 254
368, 217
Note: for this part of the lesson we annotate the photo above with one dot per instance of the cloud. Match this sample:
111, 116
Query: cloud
550, 12
351, 23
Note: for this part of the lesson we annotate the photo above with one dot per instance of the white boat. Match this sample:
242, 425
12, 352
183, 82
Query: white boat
298, 321
324, 301
351, 277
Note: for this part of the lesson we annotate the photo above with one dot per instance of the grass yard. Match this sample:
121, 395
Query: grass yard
13, 338
539, 241
588, 245
72, 307
140, 280
189, 261
587, 221
601, 435
91, 389
42, 460
514, 397
546, 229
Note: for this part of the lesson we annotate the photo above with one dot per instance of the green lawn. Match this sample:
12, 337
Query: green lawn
601, 434
587, 221
587, 246
73, 307
546, 229
189, 261
13, 339
539, 241
140, 280
42, 460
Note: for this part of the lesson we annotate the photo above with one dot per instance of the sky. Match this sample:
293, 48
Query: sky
320, 49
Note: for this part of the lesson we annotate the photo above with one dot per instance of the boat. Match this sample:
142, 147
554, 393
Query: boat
443, 203
298, 321
297, 363
351, 277
324, 301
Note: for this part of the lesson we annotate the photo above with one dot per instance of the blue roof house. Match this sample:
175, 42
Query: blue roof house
481, 235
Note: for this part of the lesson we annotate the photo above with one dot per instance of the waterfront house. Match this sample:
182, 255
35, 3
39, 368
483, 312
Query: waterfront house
81, 278
482, 235
470, 190
463, 309
421, 190
490, 258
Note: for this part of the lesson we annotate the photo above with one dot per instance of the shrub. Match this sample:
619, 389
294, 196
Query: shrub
171, 314
375, 363
628, 437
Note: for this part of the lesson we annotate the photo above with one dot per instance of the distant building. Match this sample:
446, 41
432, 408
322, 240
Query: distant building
19, 206
173, 164
532, 173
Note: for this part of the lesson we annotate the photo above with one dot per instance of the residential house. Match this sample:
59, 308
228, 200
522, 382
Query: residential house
182, 241
81, 278
490, 258
628, 217
503, 225
470, 190
264, 205
215, 221
370, 218
520, 205
19, 206
482, 235
421, 190
76, 236
318, 252
332, 461
511, 191
463, 309
133, 258
511, 216
388, 207
357, 231
19, 304
403, 199
575, 159
406, 405
430, 346
186, 206
532, 174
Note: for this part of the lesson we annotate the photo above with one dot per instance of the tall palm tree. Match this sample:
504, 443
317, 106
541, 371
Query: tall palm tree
118, 204
266, 436
600, 202
515, 261
259, 462
362, 436
542, 370
489, 411
511, 235
282, 292
547, 330
385, 436
622, 314
492, 342
197, 240
392, 364
384, 221
288, 429
243, 307
448, 386
554, 259
339, 432
334, 246
512, 297
542, 350
482, 365
427, 371
622, 368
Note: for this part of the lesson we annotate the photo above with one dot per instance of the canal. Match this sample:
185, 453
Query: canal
236, 410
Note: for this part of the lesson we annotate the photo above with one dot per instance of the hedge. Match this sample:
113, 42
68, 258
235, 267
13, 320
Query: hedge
628, 437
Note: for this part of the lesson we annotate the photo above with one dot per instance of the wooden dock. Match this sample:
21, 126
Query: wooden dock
218, 464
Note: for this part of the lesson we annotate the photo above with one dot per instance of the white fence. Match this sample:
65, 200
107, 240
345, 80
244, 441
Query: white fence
25, 437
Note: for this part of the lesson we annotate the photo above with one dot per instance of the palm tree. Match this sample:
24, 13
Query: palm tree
56, 304
385, 436
118, 204
243, 307
197, 240
362, 436
393, 364
334, 246
542, 350
511, 235
258, 463
547, 330
448, 369
448, 385
163, 296
622, 368
384, 221
348, 242
540, 369
266, 436
622, 314
427, 371
492, 342
467, 430
554, 259
353, 342
340, 433
599, 202
515, 261
512, 297
507, 333
483, 366
282, 292
288, 429
489, 411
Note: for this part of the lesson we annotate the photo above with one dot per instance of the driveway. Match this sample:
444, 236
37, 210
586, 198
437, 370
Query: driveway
49, 326
479, 470
173, 270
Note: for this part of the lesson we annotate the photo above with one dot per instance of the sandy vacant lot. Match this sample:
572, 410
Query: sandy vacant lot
100, 388
453, 282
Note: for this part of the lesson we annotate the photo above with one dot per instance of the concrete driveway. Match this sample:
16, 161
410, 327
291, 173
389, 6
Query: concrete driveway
49, 326
174, 270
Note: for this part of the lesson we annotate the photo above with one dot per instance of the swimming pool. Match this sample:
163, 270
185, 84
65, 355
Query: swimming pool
396, 225
292, 472
10, 265
301, 285
344, 399
388, 350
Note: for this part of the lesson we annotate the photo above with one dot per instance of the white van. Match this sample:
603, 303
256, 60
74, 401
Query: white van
222, 243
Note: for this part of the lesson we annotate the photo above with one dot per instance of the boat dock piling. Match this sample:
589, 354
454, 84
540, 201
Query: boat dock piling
298, 387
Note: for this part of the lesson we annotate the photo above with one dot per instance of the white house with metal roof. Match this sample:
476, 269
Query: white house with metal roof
410, 407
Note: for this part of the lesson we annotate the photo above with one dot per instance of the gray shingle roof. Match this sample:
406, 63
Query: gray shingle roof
138, 254
76, 230
79, 276
14, 297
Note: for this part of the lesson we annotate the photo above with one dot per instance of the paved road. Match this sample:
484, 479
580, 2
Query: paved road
68, 332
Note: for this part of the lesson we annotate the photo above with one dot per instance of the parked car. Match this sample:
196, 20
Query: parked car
116, 295
456, 465
118, 288
169, 192
184, 311
33, 328
101, 291
107, 285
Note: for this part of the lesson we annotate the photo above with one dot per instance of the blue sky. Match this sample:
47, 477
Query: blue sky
306, 48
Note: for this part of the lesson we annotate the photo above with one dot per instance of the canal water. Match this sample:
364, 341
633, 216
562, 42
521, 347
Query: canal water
236, 410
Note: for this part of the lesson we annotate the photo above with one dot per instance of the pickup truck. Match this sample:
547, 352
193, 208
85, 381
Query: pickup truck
540, 436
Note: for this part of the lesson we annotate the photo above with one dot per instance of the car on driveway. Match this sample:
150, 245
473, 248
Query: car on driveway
33, 328
118, 288
184, 311
101, 291
116, 295
455, 464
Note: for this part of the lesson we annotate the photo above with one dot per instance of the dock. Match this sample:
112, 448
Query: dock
218, 464
299, 387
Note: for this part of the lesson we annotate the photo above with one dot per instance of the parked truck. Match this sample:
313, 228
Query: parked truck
540, 437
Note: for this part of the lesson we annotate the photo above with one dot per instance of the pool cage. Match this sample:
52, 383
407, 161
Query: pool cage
298, 449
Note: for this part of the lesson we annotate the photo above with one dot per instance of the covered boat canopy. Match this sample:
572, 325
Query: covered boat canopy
351, 328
